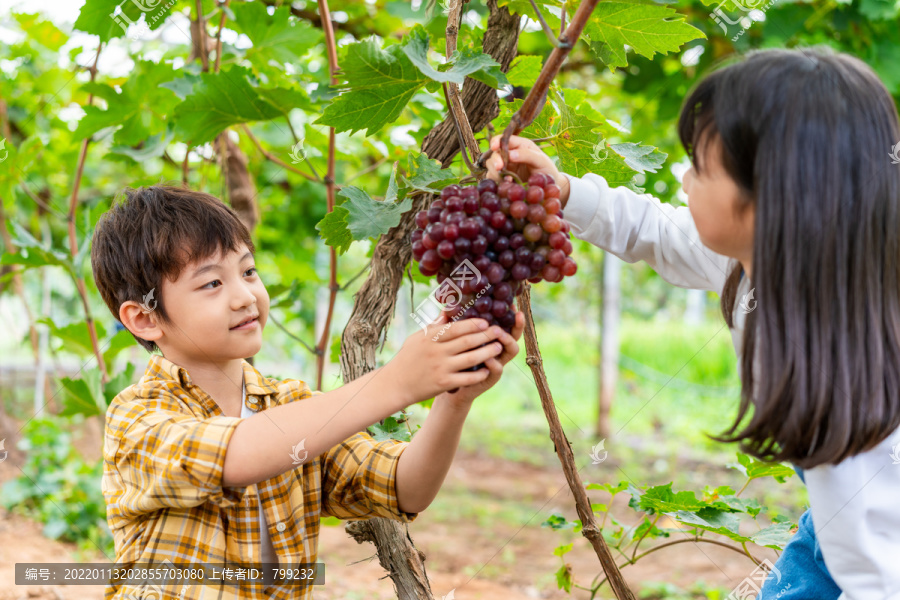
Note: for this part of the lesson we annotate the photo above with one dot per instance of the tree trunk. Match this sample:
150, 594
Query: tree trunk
375, 302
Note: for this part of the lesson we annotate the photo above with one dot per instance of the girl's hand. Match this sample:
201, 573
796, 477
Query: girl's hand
464, 396
526, 158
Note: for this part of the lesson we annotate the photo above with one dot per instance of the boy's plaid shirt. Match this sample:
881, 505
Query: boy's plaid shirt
164, 451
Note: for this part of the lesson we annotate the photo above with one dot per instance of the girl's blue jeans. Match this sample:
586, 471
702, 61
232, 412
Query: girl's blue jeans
802, 571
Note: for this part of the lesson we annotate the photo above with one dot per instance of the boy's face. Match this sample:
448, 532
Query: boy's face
724, 224
217, 309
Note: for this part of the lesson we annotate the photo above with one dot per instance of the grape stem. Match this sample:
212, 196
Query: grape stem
536, 98
590, 530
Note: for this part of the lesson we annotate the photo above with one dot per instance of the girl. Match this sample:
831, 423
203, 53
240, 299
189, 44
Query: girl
797, 142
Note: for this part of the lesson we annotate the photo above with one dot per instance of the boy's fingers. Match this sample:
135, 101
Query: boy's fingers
467, 378
475, 357
474, 340
463, 327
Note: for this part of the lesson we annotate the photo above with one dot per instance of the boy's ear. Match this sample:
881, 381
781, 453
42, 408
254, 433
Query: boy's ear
140, 320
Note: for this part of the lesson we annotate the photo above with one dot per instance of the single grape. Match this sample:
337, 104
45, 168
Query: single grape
450, 190
550, 273
534, 195
416, 235
501, 244
503, 189
551, 223
568, 267
536, 213
463, 245
454, 203
451, 231
520, 271
490, 201
551, 190
556, 257
434, 215
479, 245
516, 193
518, 210
495, 273
422, 219
516, 240
418, 249
487, 185
482, 263
502, 291
483, 304
431, 260
507, 258
558, 240
469, 228
429, 242
523, 255
446, 249
470, 205
533, 232
435, 231
552, 206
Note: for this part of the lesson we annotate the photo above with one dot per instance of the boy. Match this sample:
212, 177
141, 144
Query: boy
207, 462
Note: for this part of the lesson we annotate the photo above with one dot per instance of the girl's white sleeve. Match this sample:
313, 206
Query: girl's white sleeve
639, 227
856, 514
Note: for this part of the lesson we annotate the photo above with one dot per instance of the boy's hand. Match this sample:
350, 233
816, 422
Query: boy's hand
526, 158
424, 367
464, 396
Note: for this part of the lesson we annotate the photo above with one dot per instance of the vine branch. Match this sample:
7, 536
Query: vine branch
535, 100
564, 452
274, 158
73, 236
331, 48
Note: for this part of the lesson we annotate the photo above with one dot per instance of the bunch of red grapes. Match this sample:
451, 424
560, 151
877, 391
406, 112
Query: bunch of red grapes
507, 232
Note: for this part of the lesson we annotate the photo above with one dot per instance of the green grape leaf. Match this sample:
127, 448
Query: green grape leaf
754, 468
279, 36
525, 70
564, 578
335, 230
392, 428
380, 83
775, 536
95, 16
646, 28
640, 158
466, 62
370, 218
717, 521
426, 174
83, 396
217, 101
662, 499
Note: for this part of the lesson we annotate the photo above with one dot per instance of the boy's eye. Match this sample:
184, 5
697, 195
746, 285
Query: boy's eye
211, 283
251, 271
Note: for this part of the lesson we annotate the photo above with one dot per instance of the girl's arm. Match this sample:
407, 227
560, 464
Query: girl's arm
629, 225
637, 227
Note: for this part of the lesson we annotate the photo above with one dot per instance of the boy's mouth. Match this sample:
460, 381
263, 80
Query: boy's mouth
247, 323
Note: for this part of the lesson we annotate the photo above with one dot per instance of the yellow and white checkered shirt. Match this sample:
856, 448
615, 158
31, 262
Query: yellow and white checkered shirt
164, 450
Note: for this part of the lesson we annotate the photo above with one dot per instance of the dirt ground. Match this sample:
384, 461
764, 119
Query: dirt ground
510, 557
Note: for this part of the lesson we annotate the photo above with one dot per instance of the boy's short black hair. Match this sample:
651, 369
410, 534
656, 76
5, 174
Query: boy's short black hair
154, 232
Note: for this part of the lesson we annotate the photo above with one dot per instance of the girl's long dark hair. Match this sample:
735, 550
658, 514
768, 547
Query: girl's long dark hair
807, 135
